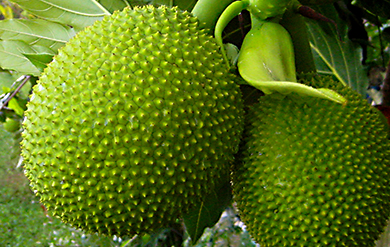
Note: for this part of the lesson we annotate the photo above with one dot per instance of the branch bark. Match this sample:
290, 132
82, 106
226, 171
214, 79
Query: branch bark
386, 87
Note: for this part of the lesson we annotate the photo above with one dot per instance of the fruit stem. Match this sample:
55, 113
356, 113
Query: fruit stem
208, 12
296, 26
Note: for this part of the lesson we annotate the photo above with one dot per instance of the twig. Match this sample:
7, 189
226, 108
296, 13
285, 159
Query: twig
24, 81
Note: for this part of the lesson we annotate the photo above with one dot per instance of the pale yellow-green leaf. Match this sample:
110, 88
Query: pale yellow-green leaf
36, 32
12, 58
75, 13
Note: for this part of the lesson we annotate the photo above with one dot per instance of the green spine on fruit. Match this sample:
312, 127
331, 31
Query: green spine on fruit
313, 172
132, 123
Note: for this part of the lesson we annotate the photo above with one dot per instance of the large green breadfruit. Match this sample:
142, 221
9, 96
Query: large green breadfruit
132, 123
313, 172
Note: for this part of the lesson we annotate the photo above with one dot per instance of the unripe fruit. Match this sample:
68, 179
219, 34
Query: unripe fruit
11, 125
314, 172
132, 123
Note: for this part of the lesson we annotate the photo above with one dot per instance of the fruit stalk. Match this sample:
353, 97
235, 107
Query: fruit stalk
208, 12
266, 59
267, 53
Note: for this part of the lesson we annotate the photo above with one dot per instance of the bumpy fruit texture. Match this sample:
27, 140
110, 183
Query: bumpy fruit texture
264, 9
132, 123
314, 172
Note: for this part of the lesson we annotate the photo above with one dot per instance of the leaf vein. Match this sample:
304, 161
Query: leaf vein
71, 10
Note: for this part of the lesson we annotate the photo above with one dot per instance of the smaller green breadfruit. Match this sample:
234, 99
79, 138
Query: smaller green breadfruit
11, 125
134, 121
313, 172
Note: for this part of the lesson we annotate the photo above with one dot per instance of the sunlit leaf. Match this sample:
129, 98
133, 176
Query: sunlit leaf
41, 60
6, 11
14, 105
334, 56
6, 81
12, 58
111, 5
75, 13
36, 32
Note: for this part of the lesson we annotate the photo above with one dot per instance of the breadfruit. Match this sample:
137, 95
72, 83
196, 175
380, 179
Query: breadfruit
312, 172
133, 122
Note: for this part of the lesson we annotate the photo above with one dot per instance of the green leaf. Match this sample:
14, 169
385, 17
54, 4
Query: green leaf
340, 58
185, 4
162, 2
113, 5
208, 212
36, 32
75, 13
14, 105
12, 58
41, 60
7, 12
6, 81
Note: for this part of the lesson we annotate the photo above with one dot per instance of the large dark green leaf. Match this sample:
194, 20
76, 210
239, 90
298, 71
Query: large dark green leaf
182, 4
377, 7
334, 53
36, 32
208, 212
185, 4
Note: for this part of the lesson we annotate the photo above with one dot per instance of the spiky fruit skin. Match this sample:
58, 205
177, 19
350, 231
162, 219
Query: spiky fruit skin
313, 172
132, 123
